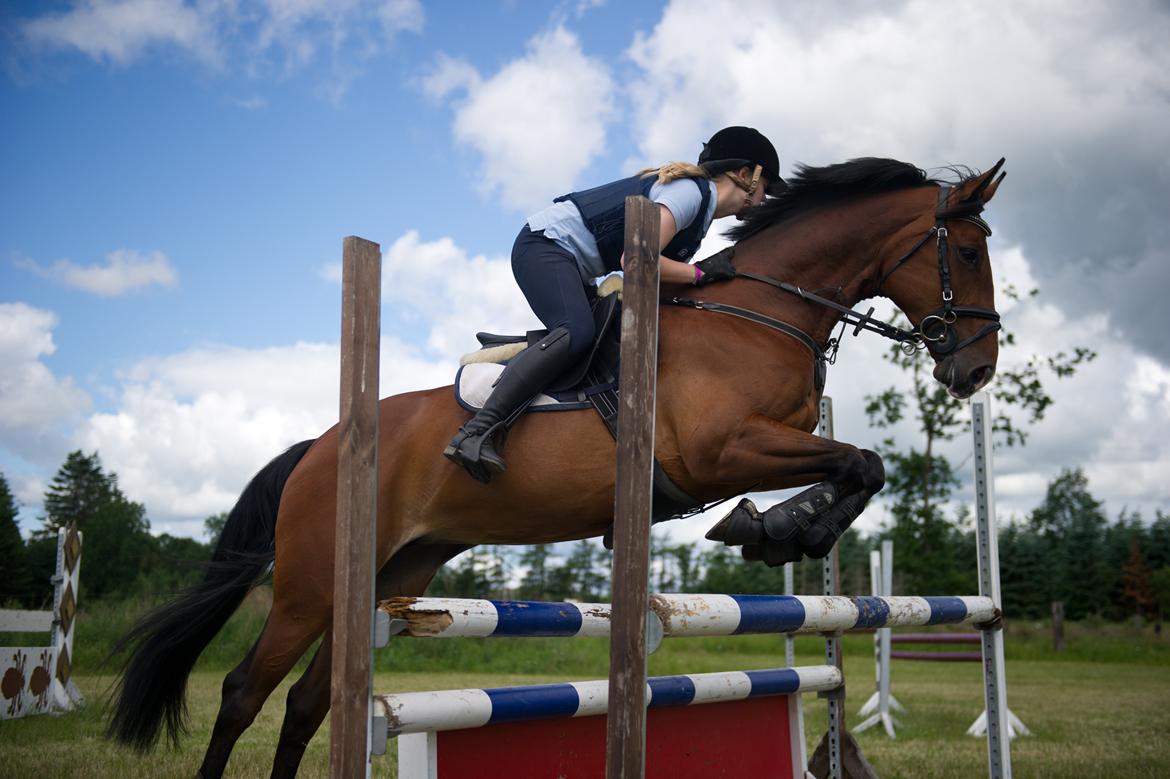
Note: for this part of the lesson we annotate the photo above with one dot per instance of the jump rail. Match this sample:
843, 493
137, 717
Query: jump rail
416, 712
677, 615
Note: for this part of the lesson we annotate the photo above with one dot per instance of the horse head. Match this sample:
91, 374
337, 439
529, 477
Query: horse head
944, 284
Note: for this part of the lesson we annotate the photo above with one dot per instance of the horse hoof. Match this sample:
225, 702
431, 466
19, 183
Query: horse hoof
741, 526
771, 553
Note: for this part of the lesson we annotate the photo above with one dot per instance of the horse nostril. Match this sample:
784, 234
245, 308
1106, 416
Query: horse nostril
981, 375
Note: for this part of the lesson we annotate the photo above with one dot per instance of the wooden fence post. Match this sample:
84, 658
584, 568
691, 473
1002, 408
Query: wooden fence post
357, 496
626, 734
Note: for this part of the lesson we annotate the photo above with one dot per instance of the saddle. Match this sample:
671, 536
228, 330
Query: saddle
591, 384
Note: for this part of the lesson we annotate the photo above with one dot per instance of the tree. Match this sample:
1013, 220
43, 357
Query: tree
1071, 524
920, 481
535, 584
480, 573
118, 544
1160, 581
1023, 564
1158, 546
1137, 586
14, 571
213, 528
78, 492
588, 582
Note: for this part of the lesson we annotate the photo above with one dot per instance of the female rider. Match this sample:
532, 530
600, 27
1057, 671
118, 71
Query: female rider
580, 237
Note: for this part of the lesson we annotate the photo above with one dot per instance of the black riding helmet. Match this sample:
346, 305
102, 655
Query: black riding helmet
734, 147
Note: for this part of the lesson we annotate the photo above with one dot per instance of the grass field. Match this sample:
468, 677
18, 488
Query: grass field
1103, 718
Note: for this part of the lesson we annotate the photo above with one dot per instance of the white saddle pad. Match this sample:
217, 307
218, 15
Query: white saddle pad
473, 384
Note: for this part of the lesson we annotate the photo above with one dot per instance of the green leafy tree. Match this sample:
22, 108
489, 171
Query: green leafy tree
683, 562
480, 573
213, 528
14, 571
589, 581
536, 582
725, 571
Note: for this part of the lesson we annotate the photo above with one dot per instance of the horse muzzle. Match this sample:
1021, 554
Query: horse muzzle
960, 379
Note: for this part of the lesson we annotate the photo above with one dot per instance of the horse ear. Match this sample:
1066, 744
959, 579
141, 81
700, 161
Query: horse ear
980, 183
989, 192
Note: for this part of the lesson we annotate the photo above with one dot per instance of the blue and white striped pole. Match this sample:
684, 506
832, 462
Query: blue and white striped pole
418, 712
680, 615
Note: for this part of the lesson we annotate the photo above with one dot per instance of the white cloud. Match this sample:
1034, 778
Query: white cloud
125, 270
1030, 80
190, 429
826, 86
34, 404
450, 293
448, 75
537, 122
251, 35
120, 31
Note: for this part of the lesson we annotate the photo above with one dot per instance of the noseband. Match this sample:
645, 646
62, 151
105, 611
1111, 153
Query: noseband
936, 331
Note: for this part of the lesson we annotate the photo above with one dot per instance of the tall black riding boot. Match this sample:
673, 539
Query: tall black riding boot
523, 378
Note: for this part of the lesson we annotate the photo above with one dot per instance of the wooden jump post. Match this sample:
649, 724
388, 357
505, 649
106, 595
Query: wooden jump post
626, 729
357, 496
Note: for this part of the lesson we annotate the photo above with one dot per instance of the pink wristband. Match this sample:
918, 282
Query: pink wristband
698, 275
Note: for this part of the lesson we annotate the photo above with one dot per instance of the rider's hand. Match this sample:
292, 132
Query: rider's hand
717, 267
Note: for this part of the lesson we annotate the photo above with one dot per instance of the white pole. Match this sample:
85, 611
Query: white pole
881, 571
994, 681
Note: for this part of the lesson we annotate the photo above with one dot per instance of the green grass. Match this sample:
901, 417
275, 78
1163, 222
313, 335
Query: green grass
1100, 719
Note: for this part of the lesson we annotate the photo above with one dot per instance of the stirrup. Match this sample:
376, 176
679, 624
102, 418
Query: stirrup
476, 453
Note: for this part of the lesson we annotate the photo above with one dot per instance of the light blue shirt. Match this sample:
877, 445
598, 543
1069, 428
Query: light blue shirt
562, 222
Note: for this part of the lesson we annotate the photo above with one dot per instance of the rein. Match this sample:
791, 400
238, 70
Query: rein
935, 332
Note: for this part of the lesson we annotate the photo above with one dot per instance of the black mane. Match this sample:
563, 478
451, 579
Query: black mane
812, 188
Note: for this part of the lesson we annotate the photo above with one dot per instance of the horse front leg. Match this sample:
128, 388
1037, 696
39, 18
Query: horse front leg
810, 522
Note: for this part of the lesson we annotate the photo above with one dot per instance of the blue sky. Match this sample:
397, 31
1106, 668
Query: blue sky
178, 176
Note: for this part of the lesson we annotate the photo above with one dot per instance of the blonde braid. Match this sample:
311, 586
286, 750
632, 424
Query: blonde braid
673, 171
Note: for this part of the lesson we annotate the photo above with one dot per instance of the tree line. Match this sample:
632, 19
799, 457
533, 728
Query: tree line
1065, 549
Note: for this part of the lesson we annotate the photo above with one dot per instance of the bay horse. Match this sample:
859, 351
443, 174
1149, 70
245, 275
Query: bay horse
736, 406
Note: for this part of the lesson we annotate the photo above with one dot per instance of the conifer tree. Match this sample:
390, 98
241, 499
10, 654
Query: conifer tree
14, 571
1072, 526
119, 549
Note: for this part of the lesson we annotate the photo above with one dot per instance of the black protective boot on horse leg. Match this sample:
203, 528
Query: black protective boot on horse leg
808, 523
525, 375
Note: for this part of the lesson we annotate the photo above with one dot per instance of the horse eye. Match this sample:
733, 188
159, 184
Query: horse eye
969, 256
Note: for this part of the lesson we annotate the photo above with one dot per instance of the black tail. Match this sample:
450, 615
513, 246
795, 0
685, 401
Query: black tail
166, 643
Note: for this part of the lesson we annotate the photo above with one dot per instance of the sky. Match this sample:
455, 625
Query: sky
177, 178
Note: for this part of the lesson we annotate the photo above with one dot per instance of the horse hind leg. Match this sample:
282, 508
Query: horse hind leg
282, 642
408, 572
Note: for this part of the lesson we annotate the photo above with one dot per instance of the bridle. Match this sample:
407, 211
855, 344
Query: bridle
936, 332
